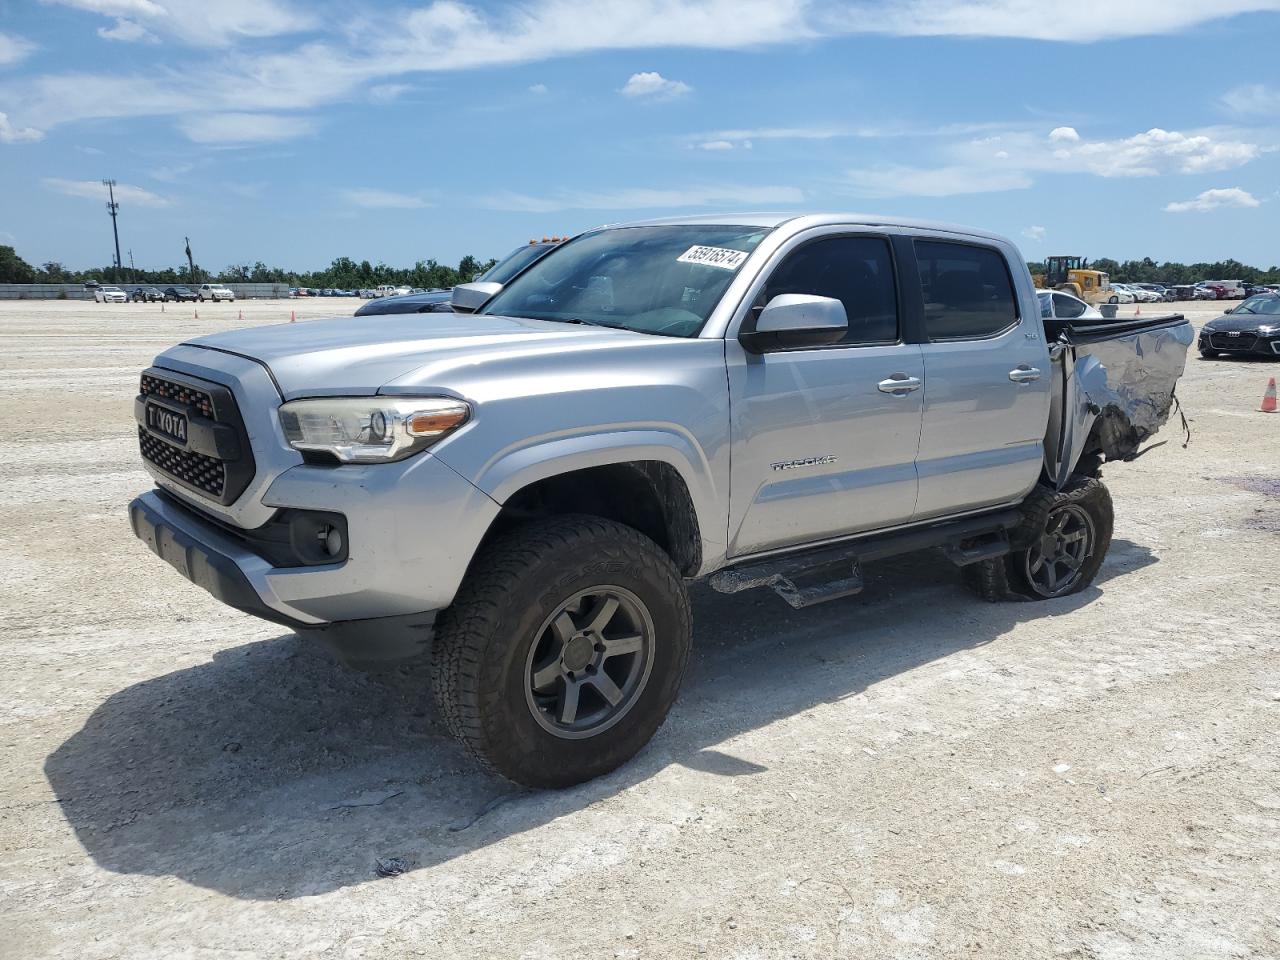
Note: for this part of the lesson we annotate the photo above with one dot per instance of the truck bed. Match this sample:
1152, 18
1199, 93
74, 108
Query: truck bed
1113, 388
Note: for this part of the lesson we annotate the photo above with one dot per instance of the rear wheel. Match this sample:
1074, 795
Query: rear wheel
1057, 549
563, 651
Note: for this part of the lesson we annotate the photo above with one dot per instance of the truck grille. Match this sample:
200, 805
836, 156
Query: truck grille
1246, 341
178, 393
195, 469
210, 454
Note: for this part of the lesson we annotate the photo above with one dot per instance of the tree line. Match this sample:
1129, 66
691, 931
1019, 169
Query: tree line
343, 273
1147, 270
346, 273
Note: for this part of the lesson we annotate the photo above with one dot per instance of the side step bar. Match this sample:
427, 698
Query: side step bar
827, 573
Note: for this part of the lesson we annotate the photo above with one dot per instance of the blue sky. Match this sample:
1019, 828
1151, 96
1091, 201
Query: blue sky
296, 132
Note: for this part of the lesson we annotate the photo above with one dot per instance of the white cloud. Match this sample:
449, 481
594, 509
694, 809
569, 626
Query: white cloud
1009, 161
172, 173
375, 199
14, 48
381, 46
647, 199
201, 23
94, 190
244, 128
91, 151
387, 92
1214, 199
716, 145
11, 134
655, 86
948, 181
1064, 134
1035, 234
129, 31
1253, 99
1089, 20
538, 88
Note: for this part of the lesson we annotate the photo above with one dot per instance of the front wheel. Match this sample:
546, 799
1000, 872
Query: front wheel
563, 651
1114, 300
1057, 549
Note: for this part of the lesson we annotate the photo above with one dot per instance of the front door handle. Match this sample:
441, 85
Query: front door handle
899, 384
1024, 374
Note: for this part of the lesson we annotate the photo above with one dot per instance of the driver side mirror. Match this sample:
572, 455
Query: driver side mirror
470, 297
1229, 310
792, 320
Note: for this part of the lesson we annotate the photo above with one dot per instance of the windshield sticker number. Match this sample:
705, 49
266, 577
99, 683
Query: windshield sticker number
720, 257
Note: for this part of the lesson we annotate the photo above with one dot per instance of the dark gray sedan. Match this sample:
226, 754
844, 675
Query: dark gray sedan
437, 301
1251, 329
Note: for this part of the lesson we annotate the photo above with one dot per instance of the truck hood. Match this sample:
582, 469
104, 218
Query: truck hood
360, 357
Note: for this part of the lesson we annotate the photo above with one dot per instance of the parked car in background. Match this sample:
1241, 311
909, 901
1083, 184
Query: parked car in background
1184, 291
215, 292
109, 295
437, 301
1253, 328
390, 290
146, 295
1163, 294
180, 294
1140, 294
1057, 305
1232, 289
1120, 294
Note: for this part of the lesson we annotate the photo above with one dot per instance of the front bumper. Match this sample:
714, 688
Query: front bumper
215, 561
1247, 343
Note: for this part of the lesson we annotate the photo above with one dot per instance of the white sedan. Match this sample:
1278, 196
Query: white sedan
1120, 294
1056, 305
109, 295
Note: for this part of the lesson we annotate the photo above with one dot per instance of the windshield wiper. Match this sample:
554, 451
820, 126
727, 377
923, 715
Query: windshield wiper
583, 321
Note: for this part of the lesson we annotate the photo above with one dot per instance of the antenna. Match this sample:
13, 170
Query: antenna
113, 208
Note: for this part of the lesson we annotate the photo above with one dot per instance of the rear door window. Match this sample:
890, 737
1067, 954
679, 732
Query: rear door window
1067, 308
968, 293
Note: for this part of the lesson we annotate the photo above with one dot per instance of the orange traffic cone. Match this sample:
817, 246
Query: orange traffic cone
1269, 398
195, 315
293, 316
1138, 312
241, 315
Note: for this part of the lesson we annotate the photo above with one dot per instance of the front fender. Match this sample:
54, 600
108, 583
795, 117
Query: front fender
514, 469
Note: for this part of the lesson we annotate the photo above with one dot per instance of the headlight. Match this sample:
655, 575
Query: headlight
1267, 329
370, 429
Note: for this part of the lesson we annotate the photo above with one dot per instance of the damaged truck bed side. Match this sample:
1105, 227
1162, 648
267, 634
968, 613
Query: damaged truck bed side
521, 489
1113, 388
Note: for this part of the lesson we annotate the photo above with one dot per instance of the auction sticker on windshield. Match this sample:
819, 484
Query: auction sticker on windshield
720, 257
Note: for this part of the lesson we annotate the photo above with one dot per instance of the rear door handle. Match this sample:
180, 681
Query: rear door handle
1024, 374
899, 384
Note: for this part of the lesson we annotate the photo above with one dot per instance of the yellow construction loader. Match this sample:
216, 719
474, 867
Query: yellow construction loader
1072, 275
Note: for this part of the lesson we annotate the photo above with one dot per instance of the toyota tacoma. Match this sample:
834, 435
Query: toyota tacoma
517, 493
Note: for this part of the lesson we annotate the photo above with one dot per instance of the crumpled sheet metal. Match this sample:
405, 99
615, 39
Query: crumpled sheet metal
1127, 381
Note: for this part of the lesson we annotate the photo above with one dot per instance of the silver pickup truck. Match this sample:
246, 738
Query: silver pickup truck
520, 489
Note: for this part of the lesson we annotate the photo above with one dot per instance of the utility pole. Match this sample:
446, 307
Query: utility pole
133, 271
113, 208
190, 262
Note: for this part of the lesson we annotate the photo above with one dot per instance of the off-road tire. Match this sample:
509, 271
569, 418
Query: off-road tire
482, 646
1006, 578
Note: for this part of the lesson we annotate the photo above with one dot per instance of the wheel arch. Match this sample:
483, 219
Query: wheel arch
649, 495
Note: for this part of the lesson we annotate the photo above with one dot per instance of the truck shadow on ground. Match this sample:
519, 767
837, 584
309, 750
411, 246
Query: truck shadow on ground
272, 772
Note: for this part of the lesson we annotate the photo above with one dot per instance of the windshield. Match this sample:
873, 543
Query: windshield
514, 262
659, 279
1265, 306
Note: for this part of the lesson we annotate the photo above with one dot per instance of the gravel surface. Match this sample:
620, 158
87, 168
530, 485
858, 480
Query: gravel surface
906, 773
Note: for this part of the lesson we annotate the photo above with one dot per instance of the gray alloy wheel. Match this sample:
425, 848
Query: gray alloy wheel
1055, 561
590, 662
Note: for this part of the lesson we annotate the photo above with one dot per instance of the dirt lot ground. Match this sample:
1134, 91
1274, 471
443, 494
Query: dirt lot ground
908, 773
